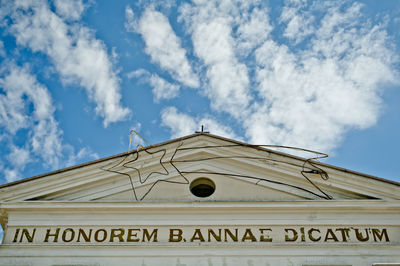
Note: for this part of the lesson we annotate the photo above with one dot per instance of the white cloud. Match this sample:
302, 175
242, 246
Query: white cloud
11, 175
253, 31
162, 89
223, 32
19, 157
311, 97
77, 55
44, 138
307, 96
83, 153
139, 73
182, 124
18, 83
299, 22
247, 20
131, 23
2, 50
215, 127
162, 44
69, 10
26, 109
228, 88
46, 141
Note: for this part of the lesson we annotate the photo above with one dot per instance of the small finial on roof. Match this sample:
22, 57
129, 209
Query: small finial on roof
202, 130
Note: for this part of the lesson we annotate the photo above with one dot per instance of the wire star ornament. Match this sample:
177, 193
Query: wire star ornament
137, 170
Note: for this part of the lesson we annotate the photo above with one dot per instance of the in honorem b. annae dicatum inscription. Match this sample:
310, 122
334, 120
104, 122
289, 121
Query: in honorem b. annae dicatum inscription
206, 235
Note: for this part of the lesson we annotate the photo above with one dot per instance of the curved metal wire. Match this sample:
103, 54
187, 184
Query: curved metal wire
307, 167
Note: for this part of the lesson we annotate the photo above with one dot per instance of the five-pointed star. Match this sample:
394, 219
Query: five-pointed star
136, 167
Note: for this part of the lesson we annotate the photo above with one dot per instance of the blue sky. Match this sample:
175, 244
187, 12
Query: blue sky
77, 76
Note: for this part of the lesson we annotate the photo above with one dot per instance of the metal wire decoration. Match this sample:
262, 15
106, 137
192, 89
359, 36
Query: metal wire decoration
126, 167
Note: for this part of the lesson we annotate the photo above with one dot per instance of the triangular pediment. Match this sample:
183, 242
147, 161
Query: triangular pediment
166, 172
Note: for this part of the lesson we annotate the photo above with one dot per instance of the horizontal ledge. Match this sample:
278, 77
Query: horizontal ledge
295, 206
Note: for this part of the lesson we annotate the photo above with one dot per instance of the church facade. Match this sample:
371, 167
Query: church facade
201, 200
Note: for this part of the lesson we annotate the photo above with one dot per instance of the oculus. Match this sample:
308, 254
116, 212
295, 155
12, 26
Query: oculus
202, 187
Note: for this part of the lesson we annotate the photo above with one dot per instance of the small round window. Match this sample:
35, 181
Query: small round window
202, 187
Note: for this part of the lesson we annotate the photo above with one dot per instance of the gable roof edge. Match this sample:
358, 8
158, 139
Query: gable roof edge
188, 137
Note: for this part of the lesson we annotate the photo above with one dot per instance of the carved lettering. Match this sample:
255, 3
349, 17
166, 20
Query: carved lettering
218, 237
68, 235
360, 237
248, 235
150, 236
265, 238
100, 235
55, 235
330, 235
311, 237
378, 234
234, 237
82, 233
345, 233
197, 235
303, 236
119, 233
25, 233
16, 235
132, 235
291, 238
175, 235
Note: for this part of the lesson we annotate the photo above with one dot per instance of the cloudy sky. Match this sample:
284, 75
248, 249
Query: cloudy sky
76, 76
